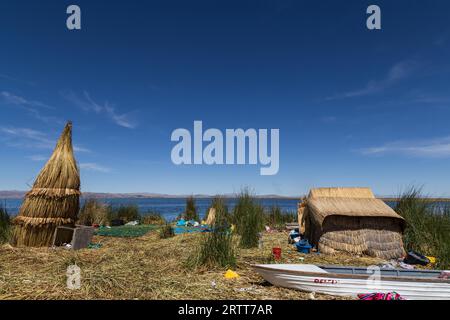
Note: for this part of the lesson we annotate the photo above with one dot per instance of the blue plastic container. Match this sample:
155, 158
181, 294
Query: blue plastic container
303, 246
304, 249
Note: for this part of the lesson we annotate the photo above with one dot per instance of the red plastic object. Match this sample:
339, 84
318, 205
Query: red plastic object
276, 253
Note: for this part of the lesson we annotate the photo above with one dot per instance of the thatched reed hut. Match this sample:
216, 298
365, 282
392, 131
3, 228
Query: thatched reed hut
351, 220
54, 198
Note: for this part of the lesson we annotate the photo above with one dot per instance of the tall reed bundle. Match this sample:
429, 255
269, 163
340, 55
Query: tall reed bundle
54, 198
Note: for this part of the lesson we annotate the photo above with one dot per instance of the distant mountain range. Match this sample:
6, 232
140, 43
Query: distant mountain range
15, 194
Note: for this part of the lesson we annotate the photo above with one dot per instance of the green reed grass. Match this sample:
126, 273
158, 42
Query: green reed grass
216, 248
94, 212
191, 209
126, 213
166, 231
248, 216
5, 225
427, 226
153, 217
277, 219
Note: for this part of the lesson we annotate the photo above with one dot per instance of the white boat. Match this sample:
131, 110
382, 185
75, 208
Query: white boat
351, 281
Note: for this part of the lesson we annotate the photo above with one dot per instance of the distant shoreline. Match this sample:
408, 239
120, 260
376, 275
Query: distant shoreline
14, 194
104, 195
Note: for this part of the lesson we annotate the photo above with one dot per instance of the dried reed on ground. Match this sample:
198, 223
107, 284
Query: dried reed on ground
148, 268
54, 198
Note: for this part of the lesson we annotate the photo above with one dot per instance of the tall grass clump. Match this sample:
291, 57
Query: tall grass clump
216, 248
222, 216
5, 225
248, 216
191, 209
166, 231
94, 212
276, 218
153, 217
427, 226
126, 213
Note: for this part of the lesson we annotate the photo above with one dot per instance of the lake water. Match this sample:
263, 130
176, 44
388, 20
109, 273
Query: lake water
170, 208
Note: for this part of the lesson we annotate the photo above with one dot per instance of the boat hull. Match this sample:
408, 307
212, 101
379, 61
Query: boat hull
345, 285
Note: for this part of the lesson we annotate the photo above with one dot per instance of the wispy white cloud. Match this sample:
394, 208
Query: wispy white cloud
431, 148
395, 74
31, 106
86, 103
30, 139
94, 167
37, 157
18, 100
27, 138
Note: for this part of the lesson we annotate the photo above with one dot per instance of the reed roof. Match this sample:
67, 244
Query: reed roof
350, 202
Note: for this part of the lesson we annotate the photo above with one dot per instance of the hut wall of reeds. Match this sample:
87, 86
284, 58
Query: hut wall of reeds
351, 220
53, 200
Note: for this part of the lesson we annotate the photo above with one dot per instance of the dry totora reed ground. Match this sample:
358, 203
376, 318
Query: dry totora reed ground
146, 268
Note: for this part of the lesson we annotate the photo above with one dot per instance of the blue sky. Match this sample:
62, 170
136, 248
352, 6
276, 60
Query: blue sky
354, 107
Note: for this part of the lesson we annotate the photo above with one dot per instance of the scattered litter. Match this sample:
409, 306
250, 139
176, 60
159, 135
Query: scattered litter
389, 265
312, 296
301, 259
405, 266
416, 258
68, 245
432, 259
186, 229
380, 296
230, 274
276, 253
213, 284
248, 289
394, 264
181, 223
132, 223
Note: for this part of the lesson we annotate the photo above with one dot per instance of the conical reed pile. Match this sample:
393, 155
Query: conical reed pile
54, 198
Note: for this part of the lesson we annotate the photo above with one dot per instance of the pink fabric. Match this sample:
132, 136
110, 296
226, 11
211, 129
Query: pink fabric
380, 296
